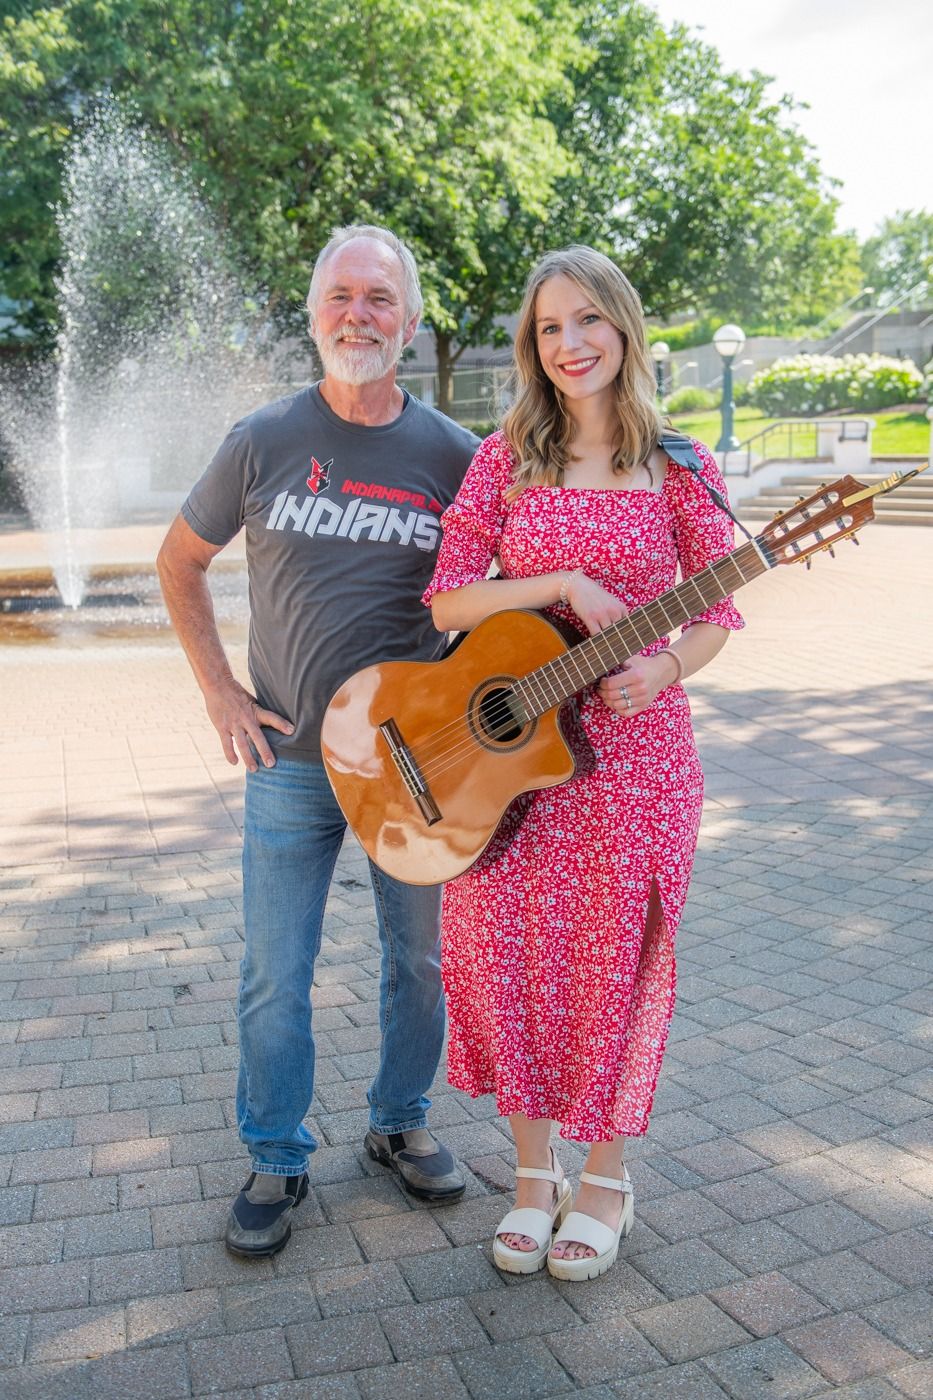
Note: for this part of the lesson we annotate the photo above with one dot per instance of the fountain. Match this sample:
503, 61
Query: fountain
158, 350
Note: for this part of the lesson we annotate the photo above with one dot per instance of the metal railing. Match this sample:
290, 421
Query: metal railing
799, 439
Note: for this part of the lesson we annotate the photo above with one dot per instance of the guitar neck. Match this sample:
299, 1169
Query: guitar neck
595, 657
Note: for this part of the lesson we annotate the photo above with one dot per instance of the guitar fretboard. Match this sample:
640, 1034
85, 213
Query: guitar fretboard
586, 662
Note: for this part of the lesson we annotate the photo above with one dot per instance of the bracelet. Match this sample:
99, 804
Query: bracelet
678, 662
565, 586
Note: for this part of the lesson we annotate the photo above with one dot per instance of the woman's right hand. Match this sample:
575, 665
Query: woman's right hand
594, 605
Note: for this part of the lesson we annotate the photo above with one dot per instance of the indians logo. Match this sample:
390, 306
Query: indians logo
319, 480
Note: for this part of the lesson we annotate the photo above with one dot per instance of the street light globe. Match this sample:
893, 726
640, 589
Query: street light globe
660, 351
729, 340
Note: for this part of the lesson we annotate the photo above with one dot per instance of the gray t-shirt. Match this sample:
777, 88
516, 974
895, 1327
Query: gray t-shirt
342, 532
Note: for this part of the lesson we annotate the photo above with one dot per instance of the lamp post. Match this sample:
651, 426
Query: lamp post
728, 340
659, 353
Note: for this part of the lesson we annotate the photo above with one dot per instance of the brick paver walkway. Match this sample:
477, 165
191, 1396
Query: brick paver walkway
784, 1195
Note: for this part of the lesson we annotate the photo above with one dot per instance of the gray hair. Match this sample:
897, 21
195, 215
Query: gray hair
414, 302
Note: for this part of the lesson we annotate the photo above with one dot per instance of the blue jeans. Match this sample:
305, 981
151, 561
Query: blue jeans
293, 833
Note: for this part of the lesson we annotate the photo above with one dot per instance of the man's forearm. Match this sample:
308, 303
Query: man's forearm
191, 609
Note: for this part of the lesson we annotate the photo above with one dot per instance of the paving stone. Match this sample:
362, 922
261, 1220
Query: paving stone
327, 1388
534, 1308
360, 1288
759, 1246
75, 1334
843, 1281
619, 1293
605, 1351
916, 1380
43, 1287
426, 1379
361, 1199
126, 1276
393, 1236
688, 1328
155, 1188
16, 1205
13, 1332
845, 1348
449, 1273
688, 1382
683, 1215
223, 1363
31, 1244
751, 1197
316, 1248
907, 1256
269, 1303
680, 1270
58, 1199
54, 1164
907, 1319
828, 1225
428, 1329
512, 1371
115, 1233
174, 1317
764, 1369
161, 1375
768, 1304
338, 1344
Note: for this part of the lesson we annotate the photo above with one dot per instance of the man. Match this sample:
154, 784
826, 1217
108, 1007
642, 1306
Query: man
339, 488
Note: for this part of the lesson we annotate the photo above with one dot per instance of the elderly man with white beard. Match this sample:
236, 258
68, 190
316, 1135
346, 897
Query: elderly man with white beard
339, 489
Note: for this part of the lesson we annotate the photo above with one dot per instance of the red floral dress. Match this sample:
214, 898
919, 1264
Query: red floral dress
557, 1002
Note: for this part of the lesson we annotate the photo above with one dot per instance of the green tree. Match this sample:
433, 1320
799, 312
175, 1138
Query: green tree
482, 130
900, 255
701, 187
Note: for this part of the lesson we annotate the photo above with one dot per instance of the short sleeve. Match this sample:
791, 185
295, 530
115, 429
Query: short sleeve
473, 522
703, 532
216, 505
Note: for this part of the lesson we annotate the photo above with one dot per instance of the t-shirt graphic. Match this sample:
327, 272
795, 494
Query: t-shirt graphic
342, 530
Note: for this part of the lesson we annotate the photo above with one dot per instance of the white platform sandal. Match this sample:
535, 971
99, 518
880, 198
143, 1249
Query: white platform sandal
584, 1229
538, 1225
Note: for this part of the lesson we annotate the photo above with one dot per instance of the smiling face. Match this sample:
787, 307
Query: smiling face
358, 322
580, 351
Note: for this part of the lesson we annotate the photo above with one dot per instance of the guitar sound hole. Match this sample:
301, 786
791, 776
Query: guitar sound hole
496, 717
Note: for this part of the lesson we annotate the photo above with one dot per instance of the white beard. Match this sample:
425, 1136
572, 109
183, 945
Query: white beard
356, 365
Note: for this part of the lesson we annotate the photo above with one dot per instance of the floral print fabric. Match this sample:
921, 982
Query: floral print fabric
558, 1002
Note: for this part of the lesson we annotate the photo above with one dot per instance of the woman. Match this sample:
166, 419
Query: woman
558, 950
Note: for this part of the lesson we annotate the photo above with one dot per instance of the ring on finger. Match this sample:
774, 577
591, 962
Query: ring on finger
628, 701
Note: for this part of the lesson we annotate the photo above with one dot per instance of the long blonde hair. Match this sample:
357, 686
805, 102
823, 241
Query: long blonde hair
537, 426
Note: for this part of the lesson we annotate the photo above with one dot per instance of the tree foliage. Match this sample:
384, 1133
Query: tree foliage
900, 255
485, 131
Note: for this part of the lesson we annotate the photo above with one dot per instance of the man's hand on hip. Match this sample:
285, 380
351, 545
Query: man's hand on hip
239, 720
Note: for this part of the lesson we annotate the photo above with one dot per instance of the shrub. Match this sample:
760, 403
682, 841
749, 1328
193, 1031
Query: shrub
819, 383
690, 399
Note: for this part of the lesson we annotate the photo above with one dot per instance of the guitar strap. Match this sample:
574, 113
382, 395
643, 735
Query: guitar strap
681, 450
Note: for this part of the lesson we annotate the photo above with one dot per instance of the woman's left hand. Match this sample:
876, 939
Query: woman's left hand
632, 689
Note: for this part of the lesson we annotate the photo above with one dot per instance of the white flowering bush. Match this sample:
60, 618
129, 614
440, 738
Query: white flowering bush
819, 383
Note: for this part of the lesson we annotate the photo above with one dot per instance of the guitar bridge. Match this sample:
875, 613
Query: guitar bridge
411, 775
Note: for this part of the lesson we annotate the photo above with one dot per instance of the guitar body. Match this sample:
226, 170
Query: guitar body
448, 716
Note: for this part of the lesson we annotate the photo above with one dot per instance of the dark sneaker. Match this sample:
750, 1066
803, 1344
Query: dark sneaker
260, 1221
426, 1168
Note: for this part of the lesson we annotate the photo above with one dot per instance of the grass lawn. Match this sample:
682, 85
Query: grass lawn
896, 431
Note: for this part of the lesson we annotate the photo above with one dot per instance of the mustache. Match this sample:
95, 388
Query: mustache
336, 338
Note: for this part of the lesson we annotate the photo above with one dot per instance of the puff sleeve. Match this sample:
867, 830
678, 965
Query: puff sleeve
473, 522
703, 532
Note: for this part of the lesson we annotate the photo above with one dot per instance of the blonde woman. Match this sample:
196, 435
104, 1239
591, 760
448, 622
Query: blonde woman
558, 946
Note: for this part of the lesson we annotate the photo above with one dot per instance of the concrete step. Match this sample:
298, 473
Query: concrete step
911, 504
912, 492
923, 482
750, 511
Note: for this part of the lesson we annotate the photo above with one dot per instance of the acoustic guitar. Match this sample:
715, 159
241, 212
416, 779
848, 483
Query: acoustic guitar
425, 758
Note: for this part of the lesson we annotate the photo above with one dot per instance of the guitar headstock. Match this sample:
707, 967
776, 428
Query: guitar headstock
833, 513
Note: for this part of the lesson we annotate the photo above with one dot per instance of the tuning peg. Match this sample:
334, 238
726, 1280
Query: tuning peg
855, 539
832, 552
809, 562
